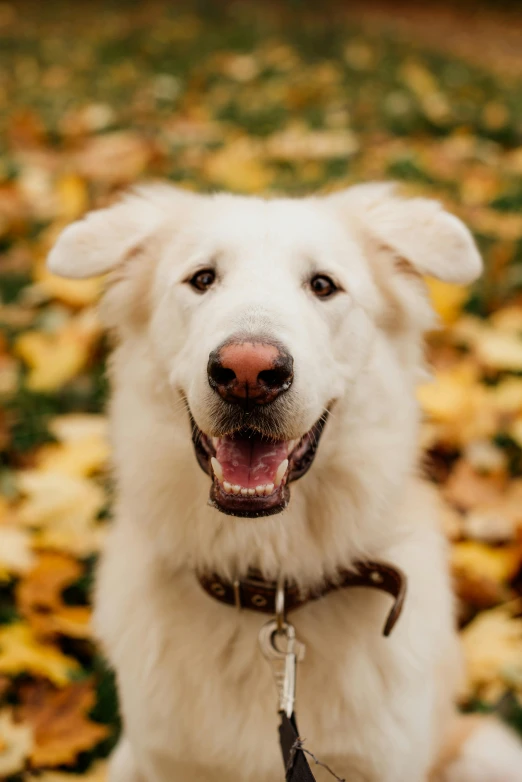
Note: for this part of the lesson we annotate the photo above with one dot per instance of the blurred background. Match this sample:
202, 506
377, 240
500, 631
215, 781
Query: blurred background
255, 98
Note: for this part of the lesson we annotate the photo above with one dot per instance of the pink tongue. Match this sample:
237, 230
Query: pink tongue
250, 462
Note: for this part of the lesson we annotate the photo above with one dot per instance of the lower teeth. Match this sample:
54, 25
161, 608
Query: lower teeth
260, 491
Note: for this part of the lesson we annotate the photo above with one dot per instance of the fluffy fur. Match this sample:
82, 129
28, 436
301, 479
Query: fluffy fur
197, 697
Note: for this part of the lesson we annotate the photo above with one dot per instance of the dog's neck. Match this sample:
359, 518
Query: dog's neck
345, 509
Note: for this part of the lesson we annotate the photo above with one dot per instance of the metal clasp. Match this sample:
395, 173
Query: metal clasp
282, 650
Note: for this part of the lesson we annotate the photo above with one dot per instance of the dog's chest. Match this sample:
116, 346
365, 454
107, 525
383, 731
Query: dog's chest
200, 701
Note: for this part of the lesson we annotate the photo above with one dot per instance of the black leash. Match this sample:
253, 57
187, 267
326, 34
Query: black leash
296, 765
280, 646
283, 651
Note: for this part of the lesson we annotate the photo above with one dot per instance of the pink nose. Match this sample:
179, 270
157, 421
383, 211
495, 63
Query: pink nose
247, 373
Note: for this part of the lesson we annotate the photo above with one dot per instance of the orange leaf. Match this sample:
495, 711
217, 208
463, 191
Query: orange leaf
39, 598
58, 718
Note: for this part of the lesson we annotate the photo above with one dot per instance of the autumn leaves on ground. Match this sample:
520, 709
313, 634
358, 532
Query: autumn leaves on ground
93, 98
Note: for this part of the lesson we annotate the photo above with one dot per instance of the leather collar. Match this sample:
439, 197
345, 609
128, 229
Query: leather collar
257, 594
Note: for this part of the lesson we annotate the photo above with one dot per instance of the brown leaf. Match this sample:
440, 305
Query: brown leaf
482, 573
115, 158
5, 684
39, 597
467, 488
58, 718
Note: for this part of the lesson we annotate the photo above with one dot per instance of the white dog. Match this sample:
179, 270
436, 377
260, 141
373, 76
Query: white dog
261, 340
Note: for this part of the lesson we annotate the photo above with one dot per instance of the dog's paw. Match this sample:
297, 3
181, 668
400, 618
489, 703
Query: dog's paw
490, 753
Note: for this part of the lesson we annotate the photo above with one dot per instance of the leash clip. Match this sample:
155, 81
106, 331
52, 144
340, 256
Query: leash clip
283, 651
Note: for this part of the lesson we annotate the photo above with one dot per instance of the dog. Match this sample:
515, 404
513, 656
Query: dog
263, 416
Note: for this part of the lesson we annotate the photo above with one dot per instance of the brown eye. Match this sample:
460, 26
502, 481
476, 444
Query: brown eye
203, 280
323, 286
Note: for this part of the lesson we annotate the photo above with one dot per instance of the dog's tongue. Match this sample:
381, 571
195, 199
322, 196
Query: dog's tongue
250, 461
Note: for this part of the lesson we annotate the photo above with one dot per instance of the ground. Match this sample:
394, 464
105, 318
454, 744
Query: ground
251, 98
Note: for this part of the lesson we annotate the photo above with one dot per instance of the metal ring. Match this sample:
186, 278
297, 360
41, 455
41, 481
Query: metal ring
280, 604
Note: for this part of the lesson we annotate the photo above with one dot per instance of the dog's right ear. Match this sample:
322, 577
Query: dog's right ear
103, 239
125, 240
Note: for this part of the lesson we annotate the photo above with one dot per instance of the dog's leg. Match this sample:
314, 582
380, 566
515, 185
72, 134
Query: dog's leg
480, 749
122, 766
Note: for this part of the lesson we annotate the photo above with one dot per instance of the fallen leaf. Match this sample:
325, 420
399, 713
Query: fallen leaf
114, 158
492, 645
467, 488
73, 197
73, 427
447, 299
482, 573
59, 721
238, 166
80, 458
76, 293
300, 143
16, 555
16, 745
63, 509
39, 598
54, 359
500, 351
21, 653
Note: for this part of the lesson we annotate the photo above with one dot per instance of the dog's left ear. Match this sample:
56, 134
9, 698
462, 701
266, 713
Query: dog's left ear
418, 231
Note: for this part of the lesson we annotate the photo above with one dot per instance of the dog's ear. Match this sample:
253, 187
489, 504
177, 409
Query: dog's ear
418, 231
126, 240
104, 239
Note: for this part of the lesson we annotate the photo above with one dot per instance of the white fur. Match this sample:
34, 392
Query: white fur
197, 697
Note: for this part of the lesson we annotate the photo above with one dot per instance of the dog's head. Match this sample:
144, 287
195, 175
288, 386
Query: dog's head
263, 314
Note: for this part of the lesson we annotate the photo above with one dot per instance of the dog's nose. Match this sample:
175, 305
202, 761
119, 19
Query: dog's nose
250, 373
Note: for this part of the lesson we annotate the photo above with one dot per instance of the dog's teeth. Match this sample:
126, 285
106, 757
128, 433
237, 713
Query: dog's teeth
236, 489
281, 472
260, 491
227, 487
244, 492
215, 442
218, 471
269, 488
251, 492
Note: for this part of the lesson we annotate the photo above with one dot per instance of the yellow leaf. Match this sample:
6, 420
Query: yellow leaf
299, 143
73, 198
500, 351
482, 561
447, 299
54, 359
516, 431
76, 293
447, 397
78, 458
492, 645
16, 744
64, 509
507, 319
506, 396
20, 653
16, 556
39, 598
76, 426
238, 167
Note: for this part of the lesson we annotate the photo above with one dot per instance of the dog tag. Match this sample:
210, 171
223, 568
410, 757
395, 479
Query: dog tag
283, 651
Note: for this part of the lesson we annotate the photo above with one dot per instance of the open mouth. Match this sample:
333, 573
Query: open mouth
250, 472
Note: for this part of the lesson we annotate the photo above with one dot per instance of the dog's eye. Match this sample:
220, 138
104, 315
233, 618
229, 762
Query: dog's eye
203, 279
323, 286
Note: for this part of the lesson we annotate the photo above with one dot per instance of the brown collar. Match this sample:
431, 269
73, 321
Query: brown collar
255, 593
